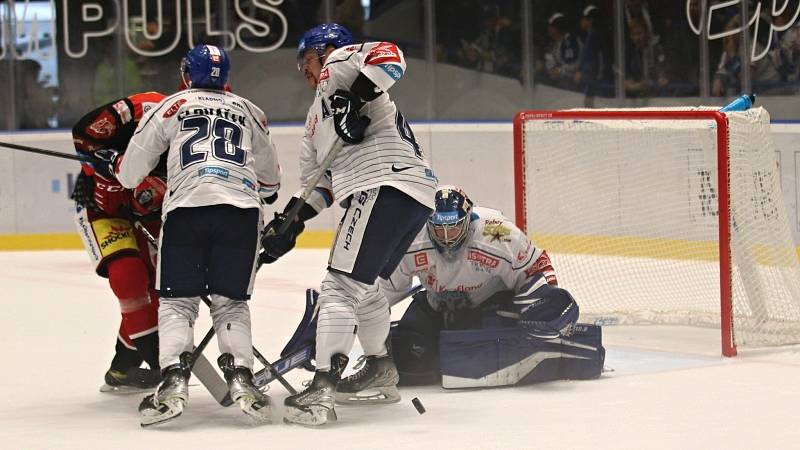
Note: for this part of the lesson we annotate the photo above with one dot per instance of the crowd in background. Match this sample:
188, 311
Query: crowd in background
573, 45
572, 48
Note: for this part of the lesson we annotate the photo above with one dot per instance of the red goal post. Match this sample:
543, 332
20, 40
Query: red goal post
643, 178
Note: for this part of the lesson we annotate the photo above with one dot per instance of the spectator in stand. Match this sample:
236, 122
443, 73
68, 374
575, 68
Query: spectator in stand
592, 62
788, 42
561, 58
639, 10
645, 66
727, 81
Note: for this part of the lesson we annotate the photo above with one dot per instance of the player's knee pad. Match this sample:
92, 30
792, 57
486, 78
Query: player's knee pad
415, 343
510, 356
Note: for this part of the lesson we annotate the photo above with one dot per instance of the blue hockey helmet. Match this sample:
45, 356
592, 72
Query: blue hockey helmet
449, 223
320, 37
205, 66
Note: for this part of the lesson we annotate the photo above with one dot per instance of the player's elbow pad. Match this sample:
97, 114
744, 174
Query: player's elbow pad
365, 89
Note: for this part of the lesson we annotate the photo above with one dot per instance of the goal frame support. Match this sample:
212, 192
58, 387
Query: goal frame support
723, 172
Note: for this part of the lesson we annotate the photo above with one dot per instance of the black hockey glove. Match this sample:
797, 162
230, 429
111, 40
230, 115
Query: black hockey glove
349, 125
275, 245
104, 162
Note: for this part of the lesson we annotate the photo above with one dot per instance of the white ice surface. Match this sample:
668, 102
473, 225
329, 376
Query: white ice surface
669, 387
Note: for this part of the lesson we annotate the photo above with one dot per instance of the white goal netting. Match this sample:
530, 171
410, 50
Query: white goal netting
629, 209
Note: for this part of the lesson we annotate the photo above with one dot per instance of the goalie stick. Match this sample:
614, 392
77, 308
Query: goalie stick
304, 354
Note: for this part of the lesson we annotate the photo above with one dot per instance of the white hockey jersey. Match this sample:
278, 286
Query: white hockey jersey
220, 150
389, 154
496, 256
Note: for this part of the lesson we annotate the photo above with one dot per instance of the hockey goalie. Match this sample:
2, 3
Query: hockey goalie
491, 312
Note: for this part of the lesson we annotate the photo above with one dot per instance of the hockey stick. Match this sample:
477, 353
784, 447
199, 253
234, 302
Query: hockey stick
299, 357
41, 151
333, 152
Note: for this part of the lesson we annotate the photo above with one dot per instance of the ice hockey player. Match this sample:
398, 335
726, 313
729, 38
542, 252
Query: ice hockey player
485, 283
105, 216
386, 185
221, 163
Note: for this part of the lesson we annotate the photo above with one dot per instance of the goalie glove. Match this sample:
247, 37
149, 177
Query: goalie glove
349, 125
548, 312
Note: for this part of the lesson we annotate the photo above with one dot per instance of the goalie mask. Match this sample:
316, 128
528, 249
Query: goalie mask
449, 224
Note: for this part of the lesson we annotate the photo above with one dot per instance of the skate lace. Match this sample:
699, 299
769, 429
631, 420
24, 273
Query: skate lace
361, 362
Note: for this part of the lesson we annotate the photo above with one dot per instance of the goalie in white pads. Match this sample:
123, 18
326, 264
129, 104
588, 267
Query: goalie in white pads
221, 163
386, 185
492, 305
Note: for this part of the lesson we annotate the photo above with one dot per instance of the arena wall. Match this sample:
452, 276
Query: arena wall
36, 212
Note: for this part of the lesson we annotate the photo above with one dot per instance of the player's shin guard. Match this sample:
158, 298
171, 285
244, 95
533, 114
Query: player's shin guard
314, 406
251, 400
232, 324
337, 323
171, 396
176, 318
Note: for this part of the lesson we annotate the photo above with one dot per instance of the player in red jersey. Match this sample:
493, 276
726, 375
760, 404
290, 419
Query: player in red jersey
106, 214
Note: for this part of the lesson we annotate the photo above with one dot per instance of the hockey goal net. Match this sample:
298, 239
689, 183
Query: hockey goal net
671, 216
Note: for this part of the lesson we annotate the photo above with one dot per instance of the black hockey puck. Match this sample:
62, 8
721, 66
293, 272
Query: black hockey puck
418, 405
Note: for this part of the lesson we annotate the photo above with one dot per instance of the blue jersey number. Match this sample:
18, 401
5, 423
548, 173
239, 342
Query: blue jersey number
407, 135
226, 144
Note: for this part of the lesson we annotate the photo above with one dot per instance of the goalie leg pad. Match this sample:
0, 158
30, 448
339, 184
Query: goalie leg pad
415, 344
509, 356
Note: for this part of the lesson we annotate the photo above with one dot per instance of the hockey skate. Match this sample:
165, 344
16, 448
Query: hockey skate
315, 405
131, 381
251, 400
172, 394
376, 382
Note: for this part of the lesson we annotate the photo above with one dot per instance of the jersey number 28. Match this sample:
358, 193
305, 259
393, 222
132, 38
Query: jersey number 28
225, 145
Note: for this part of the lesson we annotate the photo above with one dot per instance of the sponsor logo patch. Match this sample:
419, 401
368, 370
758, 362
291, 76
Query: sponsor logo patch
174, 108
213, 171
483, 259
497, 231
421, 259
123, 110
383, 53
393, 70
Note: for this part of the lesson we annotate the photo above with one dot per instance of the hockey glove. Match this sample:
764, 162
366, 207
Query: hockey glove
105, 162
148, 196
275, 245
349, 125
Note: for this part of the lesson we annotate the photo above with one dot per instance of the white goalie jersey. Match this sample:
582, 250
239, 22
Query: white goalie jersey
389, 154
220, 150
495, 256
